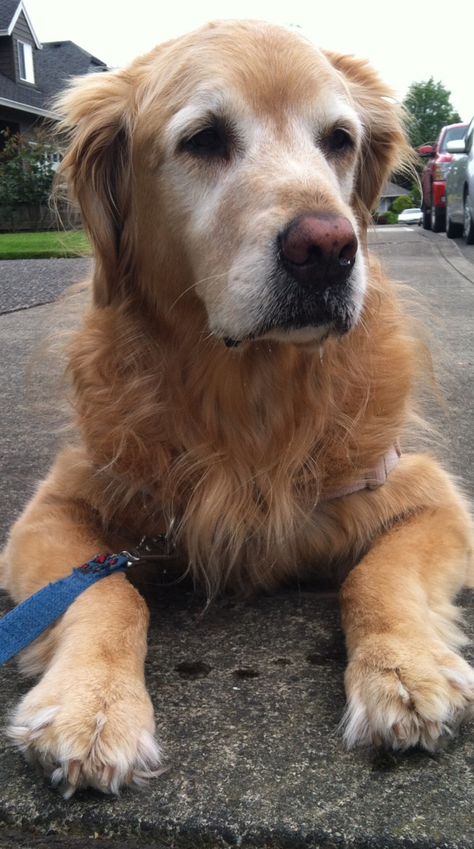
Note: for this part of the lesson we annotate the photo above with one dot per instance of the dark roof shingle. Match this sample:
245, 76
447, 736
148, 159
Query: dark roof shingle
55, 64
60, 60
7, 11
23, 94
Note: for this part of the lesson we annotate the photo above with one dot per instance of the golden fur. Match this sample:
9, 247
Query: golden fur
242, 447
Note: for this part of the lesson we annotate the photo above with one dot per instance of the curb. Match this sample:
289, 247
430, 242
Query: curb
452, 254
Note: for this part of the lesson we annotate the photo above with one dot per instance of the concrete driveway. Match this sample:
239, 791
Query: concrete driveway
249, 696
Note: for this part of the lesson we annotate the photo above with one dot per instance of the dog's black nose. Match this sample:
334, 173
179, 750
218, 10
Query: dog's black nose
319, 250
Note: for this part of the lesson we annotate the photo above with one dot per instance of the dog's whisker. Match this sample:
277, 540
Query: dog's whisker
212, 277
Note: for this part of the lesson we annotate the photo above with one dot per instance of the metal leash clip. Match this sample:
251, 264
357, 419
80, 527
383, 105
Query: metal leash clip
160, 547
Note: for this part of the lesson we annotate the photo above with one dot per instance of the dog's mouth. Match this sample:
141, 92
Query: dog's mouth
301, 322
303, 336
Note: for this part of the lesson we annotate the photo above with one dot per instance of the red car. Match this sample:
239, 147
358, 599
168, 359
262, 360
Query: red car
433, 178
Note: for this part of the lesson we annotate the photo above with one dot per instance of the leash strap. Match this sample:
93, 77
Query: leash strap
22, 625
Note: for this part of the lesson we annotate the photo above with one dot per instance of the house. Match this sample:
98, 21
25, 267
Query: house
390, 193
31, 73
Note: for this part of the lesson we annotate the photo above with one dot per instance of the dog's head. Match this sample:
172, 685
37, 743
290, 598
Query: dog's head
234, 168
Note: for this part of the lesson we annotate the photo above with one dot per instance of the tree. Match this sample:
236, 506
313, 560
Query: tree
26, 173
429, 107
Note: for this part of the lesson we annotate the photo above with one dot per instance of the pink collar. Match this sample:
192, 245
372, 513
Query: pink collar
373, 479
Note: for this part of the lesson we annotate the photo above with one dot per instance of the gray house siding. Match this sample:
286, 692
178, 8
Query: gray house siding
22, 30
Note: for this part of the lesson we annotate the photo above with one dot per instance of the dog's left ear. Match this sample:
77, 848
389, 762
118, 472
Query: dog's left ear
385, 148
95, 117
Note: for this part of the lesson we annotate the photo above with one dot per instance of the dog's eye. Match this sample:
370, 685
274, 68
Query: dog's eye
339, 141
213, 142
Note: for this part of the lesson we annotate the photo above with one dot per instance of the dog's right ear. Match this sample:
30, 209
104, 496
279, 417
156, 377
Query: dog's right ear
96, 115
385, 147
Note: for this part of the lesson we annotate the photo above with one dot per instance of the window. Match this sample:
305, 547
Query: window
454, 134
25, 61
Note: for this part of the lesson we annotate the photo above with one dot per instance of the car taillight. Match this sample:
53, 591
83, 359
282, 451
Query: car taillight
440, 171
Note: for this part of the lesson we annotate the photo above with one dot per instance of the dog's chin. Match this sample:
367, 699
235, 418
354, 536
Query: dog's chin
302, 317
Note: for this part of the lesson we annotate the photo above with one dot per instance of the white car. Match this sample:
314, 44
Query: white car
460, 189
410, 216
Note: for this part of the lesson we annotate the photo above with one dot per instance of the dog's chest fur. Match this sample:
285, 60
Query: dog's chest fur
241, 447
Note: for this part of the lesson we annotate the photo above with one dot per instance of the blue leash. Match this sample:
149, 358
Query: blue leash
32, 617
25, 623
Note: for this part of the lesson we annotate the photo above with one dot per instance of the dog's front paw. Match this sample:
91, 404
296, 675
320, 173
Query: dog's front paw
402, 694
88, 734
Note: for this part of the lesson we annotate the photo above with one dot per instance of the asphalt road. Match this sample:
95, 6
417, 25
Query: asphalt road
250, 730
27, 283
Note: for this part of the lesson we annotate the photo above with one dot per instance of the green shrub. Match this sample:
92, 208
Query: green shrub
406, 201
385, 218
26, 172
401, 203
416, 195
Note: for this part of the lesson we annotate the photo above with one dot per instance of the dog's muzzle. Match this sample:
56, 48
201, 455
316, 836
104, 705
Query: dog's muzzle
312, 285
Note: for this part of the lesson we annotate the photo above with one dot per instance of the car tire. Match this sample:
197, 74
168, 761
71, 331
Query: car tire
468, 227
426, 219
452, 230
438, 219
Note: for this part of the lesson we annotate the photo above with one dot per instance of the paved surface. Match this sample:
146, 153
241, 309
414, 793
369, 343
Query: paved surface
26, 283
443, 283
466, 250
248, 697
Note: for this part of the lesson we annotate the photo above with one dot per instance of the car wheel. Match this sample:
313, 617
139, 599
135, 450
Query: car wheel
426, 219
438, 219
468, 229
452, 230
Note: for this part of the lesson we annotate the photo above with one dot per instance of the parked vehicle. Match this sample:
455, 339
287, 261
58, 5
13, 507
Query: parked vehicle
460, 188
434, 174
410, 216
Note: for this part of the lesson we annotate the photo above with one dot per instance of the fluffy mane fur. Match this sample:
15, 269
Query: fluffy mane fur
239, 446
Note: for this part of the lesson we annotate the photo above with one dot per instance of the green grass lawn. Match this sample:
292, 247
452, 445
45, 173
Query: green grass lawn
70, 243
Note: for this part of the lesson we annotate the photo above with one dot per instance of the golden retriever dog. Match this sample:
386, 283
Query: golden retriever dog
245, 373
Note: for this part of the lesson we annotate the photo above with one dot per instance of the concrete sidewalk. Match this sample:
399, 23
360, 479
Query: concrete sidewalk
248, 697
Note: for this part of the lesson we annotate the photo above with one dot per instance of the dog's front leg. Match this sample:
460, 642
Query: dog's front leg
89, 720
406, 684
